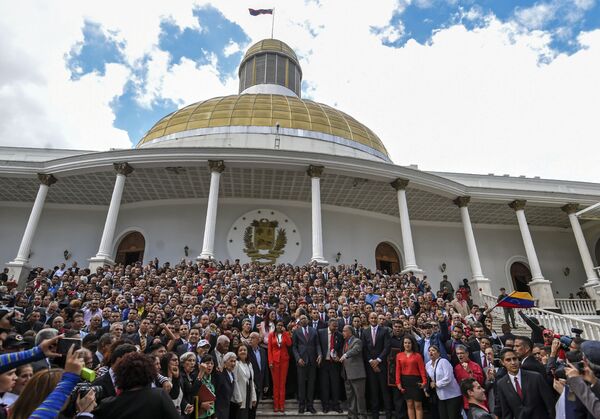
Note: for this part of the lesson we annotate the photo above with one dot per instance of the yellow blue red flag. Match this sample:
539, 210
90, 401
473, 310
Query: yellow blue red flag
517, 299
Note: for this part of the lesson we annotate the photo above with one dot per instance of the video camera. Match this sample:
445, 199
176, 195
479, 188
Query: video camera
565, 341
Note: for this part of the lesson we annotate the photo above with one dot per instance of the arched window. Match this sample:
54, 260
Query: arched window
387, 259
131, 249
521, 275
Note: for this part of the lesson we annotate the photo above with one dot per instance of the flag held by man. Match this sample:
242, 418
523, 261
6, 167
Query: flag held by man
517, 299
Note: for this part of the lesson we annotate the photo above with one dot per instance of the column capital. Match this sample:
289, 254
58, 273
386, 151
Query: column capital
518, 204
216, 166
123, 168
570, 208
399, 184
315, 171
462, 201
46, 179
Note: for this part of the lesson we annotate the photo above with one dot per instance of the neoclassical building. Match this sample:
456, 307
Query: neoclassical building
268, 176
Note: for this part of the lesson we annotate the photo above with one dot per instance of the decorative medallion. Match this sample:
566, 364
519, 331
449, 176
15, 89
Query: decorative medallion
264, 240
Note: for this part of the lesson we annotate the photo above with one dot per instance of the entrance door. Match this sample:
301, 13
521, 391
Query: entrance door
387, 259
521, 275
131, 249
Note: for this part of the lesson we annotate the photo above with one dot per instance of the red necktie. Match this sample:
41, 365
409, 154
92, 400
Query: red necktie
485, 364
331, 343
518, 387
346, 346
306, 333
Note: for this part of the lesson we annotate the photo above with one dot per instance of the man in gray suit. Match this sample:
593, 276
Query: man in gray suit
353, 373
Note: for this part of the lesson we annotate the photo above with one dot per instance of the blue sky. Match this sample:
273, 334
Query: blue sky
467, 79
417, 21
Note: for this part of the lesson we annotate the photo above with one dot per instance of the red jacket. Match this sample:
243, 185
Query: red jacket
278, 354
461, 374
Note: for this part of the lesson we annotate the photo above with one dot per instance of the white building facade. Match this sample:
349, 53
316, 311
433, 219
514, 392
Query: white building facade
269, 177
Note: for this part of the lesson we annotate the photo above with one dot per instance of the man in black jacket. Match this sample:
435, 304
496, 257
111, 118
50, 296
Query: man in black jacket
307, 353
224, 386
521, 393
260, 366
331, 342
376, 347
523, 347
107, 381
475, 395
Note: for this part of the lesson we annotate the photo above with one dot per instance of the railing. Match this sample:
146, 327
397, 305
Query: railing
559, 323
577, 307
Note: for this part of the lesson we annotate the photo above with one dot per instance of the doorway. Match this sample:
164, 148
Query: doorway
521, 275
131, 249
387, 259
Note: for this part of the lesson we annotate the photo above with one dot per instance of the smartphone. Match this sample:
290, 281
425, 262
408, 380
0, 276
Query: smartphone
65, 344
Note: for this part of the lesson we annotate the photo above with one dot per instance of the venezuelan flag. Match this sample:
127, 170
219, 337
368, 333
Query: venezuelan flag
517, 299
256, 12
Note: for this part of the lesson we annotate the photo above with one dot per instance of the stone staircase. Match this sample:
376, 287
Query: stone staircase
265, 410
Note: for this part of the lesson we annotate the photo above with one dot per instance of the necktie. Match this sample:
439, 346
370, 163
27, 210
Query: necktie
306, 333
331, 343
485, 363
518, 387
142, 343
373, 335
346, 345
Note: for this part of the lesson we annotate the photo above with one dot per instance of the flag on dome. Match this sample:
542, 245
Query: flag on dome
256, 12
517, 299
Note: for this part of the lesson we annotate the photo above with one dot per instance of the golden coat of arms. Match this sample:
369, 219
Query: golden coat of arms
264, 242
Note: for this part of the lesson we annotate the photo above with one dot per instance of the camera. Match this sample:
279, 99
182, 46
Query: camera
576, 359
81, 389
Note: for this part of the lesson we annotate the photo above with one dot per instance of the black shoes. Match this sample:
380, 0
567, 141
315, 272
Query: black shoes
312, 410
301, 410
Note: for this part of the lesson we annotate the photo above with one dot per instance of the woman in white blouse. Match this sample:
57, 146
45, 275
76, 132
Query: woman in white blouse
448, 393
244, 394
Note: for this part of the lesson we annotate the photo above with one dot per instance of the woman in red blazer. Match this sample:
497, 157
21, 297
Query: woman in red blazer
279, 358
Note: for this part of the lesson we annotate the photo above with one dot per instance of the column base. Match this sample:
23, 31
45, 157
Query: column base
205, 257
319, 261
19, 271
99, 262
479, 286
414, 269
541, 290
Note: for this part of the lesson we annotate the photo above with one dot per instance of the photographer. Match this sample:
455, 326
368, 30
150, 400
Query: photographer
48, 391
589, 395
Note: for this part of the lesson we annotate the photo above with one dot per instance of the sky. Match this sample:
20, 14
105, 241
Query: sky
504, 87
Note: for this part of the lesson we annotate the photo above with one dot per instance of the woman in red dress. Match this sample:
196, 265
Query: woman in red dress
279, 358
411, 377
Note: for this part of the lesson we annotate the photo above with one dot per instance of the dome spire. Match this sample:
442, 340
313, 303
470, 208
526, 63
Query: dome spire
270, 66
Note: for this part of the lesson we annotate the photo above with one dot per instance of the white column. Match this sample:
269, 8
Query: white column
19, 268
410, 262
105, 250
315, 173
208, 244
592, 283
539, 286
478, 281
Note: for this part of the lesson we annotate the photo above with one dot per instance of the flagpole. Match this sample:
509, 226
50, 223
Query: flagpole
272, 22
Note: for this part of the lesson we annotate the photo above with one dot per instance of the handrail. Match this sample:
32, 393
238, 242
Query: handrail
580, 307
558, 323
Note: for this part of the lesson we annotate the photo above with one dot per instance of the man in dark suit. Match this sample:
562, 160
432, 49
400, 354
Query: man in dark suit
315, 321
522, 394
107, 381
353, 373
255, 319
224, 386
376, 346
142, 338
331, 342
345, 319
307, 353
190, 345
475, 395
260, 366
523, 348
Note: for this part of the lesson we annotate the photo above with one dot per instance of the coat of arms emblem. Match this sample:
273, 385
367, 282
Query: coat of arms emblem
264, 243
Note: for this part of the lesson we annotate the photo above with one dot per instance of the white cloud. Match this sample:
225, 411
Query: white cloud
535, 17
470, 101
231, 48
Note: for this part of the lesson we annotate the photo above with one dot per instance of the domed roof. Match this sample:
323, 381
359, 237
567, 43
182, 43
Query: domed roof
304, 117
271, 45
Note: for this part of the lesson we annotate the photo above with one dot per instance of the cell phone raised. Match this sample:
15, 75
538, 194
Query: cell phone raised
65, 343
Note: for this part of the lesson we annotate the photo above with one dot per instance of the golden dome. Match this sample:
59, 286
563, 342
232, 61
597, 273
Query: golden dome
271, 45
266, 110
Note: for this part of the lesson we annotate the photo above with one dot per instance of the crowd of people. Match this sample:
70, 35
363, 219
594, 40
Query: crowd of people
215, 340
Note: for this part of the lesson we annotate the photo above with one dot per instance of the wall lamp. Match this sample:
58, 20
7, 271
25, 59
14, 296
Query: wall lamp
186, 250
443, 267
338, 256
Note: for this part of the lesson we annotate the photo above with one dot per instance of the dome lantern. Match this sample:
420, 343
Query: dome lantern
270, 66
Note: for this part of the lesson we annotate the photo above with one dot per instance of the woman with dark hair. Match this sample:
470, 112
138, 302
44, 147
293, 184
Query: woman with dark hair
207, 392
169, 367
278, 356
244, 392
266, 327
411, 378
134, 374
443, 383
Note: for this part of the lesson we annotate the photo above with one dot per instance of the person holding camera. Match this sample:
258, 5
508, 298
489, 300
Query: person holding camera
48, 391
